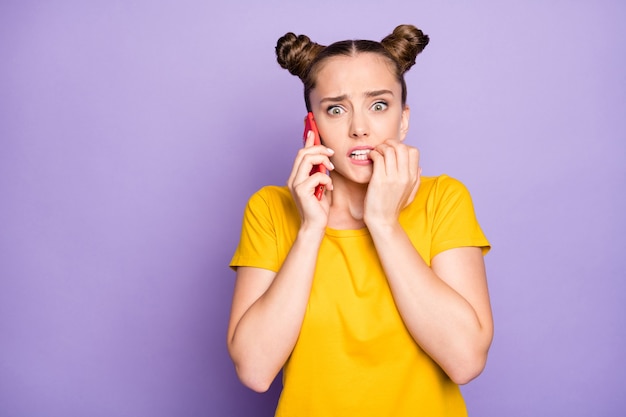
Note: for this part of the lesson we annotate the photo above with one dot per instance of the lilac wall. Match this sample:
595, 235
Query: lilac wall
133, 132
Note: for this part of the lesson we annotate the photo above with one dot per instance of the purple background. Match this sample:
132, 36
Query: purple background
133, 133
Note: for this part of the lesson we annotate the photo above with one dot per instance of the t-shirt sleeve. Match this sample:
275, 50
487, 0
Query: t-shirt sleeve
257, 244
455, 224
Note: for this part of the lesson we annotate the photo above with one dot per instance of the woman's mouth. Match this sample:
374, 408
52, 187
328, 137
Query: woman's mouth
360, 154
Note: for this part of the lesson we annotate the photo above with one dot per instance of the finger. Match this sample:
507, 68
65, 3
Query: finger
407, 158
378, 160
306, 188
391, 160
310, 139
310, 149
414, 162
415, 187
303, 170
309, 160
322, 179
402, 157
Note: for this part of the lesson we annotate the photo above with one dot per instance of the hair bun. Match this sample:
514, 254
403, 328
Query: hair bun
405, 44
295, 53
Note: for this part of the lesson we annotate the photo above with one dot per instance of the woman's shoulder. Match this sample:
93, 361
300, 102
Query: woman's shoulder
273, 192
274, 198
269, 194
441, 185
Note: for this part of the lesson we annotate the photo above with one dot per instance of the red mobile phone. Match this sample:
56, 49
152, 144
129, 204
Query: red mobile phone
309, 124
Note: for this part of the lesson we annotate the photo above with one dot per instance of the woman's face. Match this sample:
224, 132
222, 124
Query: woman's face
357, 104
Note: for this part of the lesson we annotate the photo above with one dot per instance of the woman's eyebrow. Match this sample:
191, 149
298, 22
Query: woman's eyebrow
376, 93
334, 99
342, 97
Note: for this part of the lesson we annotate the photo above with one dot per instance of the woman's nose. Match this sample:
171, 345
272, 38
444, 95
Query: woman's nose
358, 126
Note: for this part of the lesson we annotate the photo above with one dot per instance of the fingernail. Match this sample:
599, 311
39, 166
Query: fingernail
330, 151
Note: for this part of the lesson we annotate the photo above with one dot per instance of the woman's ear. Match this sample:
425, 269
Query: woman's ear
404, 122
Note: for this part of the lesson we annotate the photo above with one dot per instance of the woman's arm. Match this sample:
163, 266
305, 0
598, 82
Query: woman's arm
446, 308
268, 307
267, 313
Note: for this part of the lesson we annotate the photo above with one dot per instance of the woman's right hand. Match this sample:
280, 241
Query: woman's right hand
313, 212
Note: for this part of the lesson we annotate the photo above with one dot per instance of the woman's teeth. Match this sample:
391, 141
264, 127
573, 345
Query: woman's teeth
360, 154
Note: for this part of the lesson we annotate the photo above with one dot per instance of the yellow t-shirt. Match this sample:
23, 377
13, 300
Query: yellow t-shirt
354, 356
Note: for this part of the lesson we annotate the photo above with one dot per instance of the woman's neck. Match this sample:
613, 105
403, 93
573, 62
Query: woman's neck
347, 205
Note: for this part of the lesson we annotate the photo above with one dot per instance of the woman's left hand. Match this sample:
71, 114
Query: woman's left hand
394, 183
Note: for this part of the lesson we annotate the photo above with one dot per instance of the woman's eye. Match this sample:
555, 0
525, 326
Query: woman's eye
379, 106
335, 110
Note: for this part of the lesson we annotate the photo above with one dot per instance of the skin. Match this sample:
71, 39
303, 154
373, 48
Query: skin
446, 308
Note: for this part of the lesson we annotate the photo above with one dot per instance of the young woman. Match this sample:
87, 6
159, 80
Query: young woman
373, 299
